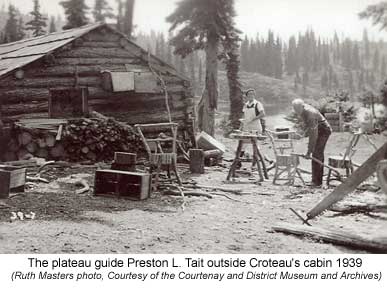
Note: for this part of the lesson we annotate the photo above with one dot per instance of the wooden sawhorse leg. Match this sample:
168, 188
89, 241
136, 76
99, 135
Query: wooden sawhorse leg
236, 161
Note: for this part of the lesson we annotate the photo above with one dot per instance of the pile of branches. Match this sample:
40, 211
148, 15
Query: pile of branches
97, 139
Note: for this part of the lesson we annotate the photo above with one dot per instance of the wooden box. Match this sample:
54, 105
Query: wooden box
130, 185
12, 179
123, 167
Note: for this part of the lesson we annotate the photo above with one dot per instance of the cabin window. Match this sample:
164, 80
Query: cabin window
71, 102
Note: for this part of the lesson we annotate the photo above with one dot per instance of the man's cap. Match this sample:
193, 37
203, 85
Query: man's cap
249, 90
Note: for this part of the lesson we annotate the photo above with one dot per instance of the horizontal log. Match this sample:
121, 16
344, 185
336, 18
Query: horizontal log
89, 52
72, 70
19, 109
97, 35
104, 44
51, 82
146, 117
96, 61
16, 95
22, 95
32, 115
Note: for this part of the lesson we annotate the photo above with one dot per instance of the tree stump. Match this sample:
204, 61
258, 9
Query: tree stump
196, 164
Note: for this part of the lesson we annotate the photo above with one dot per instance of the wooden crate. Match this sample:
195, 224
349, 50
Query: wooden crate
130, 185
123, 167
12, 179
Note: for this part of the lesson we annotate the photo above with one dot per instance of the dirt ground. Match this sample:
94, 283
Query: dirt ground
66, 222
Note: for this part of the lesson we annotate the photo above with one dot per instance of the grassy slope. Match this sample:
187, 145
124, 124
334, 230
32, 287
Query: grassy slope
272, 92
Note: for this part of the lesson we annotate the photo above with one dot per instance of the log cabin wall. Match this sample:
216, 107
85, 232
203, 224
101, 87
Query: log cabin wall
79, 64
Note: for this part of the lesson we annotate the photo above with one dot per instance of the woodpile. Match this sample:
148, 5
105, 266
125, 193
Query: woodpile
76, 140
98, 139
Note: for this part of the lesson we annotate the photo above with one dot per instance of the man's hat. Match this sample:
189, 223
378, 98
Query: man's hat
249, 90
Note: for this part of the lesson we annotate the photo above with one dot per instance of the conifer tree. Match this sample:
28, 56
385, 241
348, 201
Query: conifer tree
38, 23
75, 11
11, 26
207, 25
355, 57
200, 73
375, 60
20, 29
120, 15
127, 23
52, 27
102, 11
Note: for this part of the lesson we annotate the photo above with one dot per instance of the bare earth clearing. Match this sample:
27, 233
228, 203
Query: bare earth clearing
69, 223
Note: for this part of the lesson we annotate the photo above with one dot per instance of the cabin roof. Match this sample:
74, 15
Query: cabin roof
16, 55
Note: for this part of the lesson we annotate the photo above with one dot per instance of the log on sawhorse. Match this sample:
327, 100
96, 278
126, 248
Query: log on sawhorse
352, 182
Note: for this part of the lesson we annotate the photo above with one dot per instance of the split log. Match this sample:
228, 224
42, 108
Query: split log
25, 138
32, 147
58, 151
42, 153
196, 164
50, 140
23, 154
41, 143
339, 236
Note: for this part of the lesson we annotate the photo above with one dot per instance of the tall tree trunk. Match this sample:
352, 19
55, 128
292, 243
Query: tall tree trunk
209, 100
236, 97
128, 20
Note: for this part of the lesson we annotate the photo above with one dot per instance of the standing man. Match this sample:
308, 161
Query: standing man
318, 130
254, 114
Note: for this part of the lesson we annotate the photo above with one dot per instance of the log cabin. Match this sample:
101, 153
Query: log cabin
92, 68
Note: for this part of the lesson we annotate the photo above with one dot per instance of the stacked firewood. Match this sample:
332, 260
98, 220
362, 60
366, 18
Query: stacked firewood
93, 139
98, 139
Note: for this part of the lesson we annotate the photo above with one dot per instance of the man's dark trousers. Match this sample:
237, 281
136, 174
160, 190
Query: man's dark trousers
324, 132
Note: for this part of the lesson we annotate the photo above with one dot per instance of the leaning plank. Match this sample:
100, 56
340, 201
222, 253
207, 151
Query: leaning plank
360, 174
339, 237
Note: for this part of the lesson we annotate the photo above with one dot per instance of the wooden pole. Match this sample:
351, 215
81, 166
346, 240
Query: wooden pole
339, 237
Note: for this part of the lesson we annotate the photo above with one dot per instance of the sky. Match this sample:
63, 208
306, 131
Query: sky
284, 17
